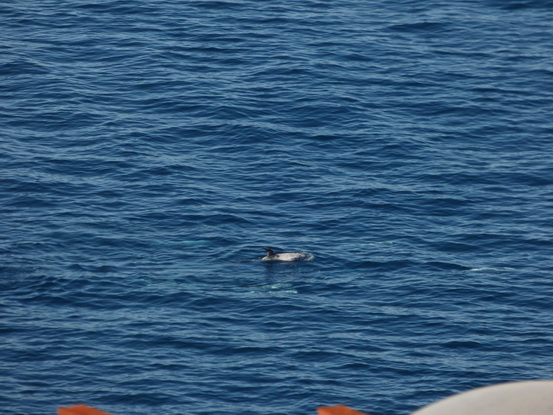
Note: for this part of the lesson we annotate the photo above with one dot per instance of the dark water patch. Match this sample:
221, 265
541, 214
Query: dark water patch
426, 27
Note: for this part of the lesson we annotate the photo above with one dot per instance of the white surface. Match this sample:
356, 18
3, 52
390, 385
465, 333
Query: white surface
521, 398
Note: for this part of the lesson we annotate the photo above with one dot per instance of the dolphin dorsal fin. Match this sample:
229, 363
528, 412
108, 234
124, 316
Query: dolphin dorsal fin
270, 252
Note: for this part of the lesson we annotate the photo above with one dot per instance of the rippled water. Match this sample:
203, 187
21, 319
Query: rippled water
151, 149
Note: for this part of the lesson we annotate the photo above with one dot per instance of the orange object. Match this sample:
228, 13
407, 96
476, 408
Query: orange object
338, 410
81, 410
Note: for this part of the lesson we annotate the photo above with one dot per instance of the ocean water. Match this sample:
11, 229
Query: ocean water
151, 149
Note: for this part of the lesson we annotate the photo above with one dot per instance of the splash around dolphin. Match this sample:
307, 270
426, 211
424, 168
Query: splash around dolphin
286, 256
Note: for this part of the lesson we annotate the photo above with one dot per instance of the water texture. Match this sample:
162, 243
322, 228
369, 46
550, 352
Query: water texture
151, 149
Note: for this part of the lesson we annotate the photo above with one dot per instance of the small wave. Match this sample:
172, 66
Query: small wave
272, 288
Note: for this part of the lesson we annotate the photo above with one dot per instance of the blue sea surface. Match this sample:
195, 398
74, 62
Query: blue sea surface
151, 149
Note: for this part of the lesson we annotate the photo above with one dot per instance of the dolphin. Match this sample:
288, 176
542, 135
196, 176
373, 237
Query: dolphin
286, 256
